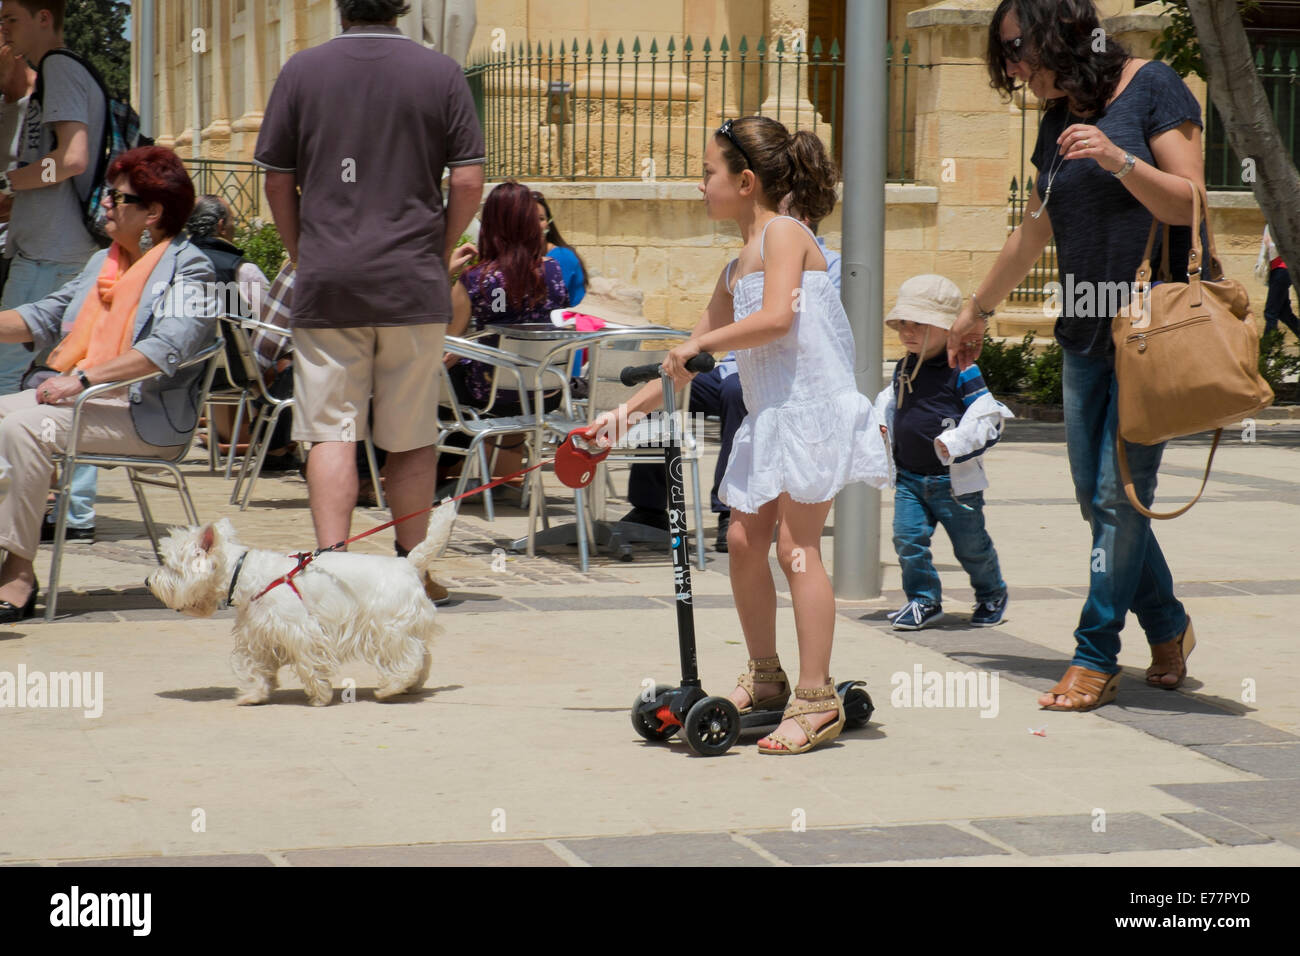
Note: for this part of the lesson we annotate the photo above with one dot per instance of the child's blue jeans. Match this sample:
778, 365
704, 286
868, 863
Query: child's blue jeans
921, 502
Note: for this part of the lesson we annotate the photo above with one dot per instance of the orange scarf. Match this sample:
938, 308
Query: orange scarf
106, 323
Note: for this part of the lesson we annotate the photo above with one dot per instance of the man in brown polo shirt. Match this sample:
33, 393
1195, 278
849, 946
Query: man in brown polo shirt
364, 125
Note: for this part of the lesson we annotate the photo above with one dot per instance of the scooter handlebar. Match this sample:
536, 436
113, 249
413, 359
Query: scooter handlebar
639, 374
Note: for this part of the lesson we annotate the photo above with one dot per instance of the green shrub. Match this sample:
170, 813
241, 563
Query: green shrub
1044, 377
262, 246
1005, 366
1275, 363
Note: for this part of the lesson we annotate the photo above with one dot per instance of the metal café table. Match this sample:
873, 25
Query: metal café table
552, 342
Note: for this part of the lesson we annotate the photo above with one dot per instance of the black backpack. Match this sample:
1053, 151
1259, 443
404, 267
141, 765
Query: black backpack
121, 133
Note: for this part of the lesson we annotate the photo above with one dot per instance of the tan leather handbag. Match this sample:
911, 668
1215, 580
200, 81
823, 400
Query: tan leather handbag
1186, 355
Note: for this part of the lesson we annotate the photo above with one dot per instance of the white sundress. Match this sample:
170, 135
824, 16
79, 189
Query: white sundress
809, 431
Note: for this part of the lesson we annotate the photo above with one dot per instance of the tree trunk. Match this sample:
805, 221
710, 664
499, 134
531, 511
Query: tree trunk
1239, 99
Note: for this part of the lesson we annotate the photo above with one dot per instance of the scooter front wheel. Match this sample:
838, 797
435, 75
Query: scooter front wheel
712, 726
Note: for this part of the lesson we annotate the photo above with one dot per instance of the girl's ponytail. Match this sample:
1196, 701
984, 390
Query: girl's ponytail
812, 177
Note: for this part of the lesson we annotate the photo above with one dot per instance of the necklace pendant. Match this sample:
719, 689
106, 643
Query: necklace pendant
1038, 213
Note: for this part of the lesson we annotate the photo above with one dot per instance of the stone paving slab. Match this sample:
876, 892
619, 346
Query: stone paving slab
1057, 835
227, 859
445, 854
874, 844
1272, 761
1218, 829
665, 849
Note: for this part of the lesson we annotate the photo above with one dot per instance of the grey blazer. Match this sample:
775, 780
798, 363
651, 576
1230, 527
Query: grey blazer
175, 321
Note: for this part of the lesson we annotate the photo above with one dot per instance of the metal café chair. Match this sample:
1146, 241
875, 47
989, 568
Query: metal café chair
478, 425
141, 470
610, 350
235, 330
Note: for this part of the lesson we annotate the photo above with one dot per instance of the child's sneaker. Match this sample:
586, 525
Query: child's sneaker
988, 613
916, 615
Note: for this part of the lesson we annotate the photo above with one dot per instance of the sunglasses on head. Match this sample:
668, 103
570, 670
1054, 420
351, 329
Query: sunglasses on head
1013, 49
725, 130
118, 198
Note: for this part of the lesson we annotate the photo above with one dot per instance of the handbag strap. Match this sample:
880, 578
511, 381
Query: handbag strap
1126, 477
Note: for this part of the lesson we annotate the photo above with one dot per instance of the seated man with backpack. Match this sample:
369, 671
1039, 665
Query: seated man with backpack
68, 138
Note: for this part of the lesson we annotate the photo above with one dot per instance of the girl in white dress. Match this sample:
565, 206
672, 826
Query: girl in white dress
809, 431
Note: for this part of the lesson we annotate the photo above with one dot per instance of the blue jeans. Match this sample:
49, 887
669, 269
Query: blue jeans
30, 280
921, 502
1127, 569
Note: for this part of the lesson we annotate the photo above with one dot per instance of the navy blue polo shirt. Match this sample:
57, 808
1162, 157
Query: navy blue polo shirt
938, 398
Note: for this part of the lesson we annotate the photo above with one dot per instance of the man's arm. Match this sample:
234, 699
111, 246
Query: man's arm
464, 194
282, 197
71, 157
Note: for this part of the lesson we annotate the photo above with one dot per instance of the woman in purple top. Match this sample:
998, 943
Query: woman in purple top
513, 283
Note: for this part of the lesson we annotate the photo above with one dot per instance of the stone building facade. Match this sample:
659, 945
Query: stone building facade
965, 148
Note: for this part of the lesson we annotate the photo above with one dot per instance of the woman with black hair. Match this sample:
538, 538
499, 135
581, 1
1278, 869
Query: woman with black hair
571, 264
1118, 139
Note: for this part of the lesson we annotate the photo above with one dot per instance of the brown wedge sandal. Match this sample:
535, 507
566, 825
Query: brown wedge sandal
1079, 681
1171, 658
813, 700
764, 670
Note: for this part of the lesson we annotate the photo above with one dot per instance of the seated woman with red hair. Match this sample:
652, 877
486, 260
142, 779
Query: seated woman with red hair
146, 304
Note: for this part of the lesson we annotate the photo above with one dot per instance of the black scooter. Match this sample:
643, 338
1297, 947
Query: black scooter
711, 724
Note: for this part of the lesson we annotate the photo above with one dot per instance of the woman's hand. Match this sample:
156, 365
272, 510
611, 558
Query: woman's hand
450, 358
1082, 141
675, 362
58, 390
966, 337
461, 258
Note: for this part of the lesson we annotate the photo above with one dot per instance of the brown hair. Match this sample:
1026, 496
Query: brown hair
796, 164
56, 8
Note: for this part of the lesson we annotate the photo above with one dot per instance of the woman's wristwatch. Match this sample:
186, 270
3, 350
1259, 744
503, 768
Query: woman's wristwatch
1129, 162
85, 382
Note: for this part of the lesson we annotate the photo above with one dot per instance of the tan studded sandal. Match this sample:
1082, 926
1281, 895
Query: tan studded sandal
812, 700
1103, 688
764, 670
1171, 658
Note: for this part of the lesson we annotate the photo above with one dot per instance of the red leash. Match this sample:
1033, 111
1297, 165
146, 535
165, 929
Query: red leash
574, 464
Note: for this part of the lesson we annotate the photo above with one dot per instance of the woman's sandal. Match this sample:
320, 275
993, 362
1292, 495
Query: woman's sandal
814, 701
1103, 688
1171, 658
764, 670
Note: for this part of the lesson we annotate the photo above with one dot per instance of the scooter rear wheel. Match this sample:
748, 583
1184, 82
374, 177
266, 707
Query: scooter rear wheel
648, 728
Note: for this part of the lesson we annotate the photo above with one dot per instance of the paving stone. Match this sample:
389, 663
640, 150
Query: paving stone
445, 854
232, 859
1188, 589
1062, 835
1199, 723
1262, 804
1268, 587
665, 849
1218, 829
923, 841
1275, 761
613, 602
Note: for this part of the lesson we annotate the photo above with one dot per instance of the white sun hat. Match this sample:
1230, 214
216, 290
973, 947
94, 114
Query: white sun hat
928, 300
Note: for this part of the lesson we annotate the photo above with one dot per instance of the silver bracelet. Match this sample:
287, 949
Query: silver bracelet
1129, 162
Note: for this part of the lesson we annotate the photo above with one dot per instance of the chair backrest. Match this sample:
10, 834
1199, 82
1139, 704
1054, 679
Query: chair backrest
241, 363
608, 359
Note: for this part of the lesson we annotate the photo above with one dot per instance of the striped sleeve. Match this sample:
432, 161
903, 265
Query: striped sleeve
970, 385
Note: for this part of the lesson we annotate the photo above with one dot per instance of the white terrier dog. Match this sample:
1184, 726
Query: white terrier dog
339, 607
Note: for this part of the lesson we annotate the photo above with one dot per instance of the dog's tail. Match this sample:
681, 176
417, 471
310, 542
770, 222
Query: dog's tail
440, 524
